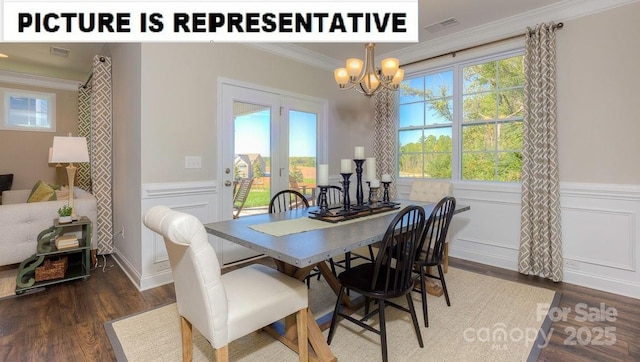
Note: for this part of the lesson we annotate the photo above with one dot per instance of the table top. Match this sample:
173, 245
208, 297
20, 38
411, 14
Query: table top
309, 247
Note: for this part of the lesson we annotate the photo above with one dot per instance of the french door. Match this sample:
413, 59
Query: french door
272, 139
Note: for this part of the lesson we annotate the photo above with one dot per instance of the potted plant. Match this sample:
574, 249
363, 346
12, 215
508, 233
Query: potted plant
65, 214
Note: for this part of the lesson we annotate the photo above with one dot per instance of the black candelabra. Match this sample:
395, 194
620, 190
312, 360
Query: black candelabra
323, 204
359, 193
346, 201
385, 195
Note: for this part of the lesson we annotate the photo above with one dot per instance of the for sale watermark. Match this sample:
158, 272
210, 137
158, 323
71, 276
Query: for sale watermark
500, 335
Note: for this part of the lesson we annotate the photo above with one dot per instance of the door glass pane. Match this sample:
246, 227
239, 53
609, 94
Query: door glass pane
303, 148
252, 151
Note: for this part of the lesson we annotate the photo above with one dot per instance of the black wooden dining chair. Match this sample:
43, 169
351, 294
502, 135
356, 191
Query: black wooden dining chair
389, 276
287, 200
432, 249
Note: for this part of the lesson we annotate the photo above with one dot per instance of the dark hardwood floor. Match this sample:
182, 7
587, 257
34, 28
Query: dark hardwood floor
65, 322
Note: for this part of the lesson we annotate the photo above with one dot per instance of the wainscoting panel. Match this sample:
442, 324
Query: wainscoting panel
196, 198
599, 222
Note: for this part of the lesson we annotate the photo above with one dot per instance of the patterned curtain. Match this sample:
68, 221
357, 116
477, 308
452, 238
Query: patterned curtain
83, 178
385, 136
94, 122
540, 233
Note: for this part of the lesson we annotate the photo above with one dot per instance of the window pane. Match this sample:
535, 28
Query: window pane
479, 78
410, 165
510, 72
412, 90
303, 128
28, 112
439, 111
437, 140
409, 141
511, 104
411, 114
509, 166
439, 85
437, 165
510, 136
480, 106
479, 137
478, 166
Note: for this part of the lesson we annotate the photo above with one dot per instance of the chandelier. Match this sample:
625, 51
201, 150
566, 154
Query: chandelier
365, 78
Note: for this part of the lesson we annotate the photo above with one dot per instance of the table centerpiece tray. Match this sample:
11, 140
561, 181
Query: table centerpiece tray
338, 213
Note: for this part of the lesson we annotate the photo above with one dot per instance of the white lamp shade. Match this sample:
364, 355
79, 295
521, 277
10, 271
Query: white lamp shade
354, 66
397, 78
69, 149
341, 76
390, 66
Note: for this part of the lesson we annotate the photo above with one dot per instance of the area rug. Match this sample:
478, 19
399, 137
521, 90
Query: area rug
8, 282
489, 319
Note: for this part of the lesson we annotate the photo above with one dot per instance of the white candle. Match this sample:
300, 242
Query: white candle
345, 165
374, 184
371, 168
359, 153
323, 175
386, 178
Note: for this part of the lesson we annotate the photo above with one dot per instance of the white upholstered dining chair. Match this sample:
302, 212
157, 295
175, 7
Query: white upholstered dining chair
433, 191
223, 307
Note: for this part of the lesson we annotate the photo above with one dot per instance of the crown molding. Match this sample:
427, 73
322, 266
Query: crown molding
38, 81
299, 54
511, 26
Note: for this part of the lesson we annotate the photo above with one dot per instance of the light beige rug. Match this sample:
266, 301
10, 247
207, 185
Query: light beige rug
8, 282
489, 319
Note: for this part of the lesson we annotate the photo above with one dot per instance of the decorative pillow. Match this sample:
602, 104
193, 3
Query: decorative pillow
5, 182
62, 194
41, 191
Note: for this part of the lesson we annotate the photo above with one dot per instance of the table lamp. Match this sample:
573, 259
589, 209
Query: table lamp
70, 150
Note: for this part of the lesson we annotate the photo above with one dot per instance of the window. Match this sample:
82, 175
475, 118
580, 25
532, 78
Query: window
29, 111
476, 107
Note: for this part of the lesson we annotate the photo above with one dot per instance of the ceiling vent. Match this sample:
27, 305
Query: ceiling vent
59, 52
441, 25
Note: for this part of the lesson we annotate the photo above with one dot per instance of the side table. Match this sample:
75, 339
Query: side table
78, 257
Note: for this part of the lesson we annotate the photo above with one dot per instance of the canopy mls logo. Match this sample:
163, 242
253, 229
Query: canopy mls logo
239, 21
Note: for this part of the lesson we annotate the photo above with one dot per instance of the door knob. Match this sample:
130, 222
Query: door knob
227, 183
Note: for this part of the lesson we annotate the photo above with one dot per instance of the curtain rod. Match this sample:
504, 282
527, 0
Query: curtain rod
91, 75
453, 53
88, 80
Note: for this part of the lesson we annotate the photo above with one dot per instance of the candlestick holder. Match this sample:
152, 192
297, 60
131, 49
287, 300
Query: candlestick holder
323, 204
346, 201
359, 193
373, 194
385, 195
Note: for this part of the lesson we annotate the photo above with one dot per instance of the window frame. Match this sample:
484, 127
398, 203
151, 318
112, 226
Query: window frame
8, 93
457, 123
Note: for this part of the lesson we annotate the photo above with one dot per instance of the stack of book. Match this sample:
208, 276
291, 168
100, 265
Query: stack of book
66, 241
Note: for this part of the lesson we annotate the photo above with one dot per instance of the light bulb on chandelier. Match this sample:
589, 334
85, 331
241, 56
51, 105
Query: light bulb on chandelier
365, 78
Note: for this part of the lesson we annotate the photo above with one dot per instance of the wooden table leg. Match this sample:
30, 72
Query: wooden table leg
319, 351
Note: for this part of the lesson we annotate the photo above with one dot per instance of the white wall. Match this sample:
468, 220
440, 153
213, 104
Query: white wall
174, 115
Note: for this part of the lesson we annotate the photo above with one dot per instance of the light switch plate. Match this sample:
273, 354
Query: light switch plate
192, 162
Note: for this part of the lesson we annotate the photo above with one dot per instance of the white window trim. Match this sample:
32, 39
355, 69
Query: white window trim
7, 93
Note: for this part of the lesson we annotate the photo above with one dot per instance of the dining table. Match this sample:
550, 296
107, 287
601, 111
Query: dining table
298, 243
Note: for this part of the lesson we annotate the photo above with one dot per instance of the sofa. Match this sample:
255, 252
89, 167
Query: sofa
21, 222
